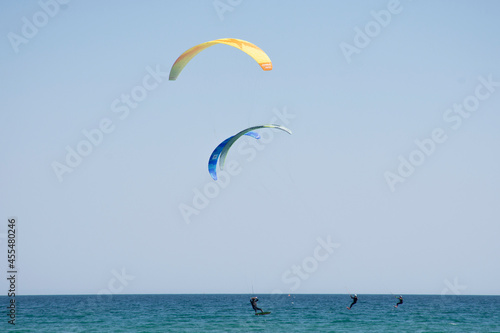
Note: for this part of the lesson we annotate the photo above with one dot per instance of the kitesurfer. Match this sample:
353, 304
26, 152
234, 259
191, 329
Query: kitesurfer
354, 300
400, 301
254, 301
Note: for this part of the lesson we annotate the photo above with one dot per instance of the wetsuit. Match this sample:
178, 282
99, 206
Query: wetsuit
400, 301
354, 300
254, 301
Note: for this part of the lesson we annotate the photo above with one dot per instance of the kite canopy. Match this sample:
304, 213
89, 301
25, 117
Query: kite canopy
220, 153
214, 158
252, 50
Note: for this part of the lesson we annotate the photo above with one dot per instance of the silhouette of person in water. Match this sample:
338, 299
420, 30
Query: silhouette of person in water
400, 301
354, 300
254, 301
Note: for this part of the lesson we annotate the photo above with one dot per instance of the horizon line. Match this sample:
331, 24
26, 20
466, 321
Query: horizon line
272, 294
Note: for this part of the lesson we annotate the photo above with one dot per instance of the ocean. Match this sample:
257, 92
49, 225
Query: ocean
233, 313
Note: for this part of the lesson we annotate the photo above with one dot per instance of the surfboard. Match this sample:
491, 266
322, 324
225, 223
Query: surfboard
262, 313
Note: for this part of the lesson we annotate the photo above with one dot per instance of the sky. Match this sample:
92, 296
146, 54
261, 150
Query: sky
389, 183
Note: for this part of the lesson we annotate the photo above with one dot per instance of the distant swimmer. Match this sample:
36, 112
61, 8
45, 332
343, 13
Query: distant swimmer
354, 300
400, 301
254, 301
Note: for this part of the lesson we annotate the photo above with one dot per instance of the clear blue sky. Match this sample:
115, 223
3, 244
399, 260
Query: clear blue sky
359, 83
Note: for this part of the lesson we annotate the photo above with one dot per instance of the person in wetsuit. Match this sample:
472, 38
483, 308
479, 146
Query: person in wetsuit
254, 301
354, 300
400, 301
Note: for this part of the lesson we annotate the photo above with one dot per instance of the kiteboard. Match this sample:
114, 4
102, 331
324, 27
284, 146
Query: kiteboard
262, 313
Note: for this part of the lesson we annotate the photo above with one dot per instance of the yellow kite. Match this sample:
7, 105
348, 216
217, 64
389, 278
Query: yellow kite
252, 50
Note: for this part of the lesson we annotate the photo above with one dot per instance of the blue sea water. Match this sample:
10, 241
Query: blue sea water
233, 313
